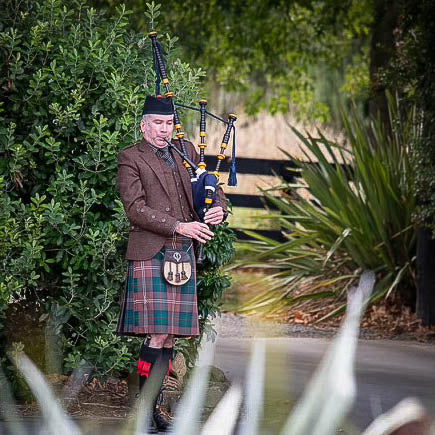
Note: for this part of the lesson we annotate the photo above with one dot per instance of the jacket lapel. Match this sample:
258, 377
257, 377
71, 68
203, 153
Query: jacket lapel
184, 175
149, 157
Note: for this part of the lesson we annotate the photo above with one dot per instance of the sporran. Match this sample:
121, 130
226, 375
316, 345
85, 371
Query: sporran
177, 265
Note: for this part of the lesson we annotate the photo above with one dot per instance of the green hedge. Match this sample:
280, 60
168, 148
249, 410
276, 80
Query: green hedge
72, 88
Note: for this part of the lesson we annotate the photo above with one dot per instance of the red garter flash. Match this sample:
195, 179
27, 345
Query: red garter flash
143, 368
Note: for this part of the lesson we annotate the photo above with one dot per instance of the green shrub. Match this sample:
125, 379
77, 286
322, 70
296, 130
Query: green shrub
359, 216
72, 88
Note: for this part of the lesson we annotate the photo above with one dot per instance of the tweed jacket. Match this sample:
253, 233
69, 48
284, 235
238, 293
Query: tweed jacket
146, 199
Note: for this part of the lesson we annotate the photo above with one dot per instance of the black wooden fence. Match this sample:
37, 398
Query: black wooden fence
281, 168
259, 167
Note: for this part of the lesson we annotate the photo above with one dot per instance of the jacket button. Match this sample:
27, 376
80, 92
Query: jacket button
167, 208
185, 219
153, 216
163, 220
132, 227
142, 209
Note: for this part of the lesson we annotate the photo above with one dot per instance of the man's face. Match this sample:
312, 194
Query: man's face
157, 128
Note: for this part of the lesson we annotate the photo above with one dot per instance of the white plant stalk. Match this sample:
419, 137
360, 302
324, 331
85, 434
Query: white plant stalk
224, 417
144, 404
55, 419
7, 405
189, 409
406, 411
254, 390
332, 389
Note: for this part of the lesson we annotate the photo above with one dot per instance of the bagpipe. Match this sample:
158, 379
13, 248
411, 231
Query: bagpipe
204, 183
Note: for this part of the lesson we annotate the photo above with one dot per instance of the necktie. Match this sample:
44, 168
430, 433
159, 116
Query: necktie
165, 155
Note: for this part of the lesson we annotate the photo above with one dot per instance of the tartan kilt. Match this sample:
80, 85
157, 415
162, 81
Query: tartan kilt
150, 305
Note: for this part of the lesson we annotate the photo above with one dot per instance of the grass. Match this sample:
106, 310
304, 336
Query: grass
245, 285
252, 218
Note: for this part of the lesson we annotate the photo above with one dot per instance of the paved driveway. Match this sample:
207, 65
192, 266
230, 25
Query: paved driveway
387, 371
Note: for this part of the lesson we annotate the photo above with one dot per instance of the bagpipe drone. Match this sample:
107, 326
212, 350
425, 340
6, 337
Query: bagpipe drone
204, 183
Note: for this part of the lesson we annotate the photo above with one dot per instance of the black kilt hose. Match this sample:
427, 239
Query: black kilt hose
150, 305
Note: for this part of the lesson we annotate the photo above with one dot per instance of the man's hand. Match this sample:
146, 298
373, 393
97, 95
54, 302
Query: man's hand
214, 216
195, 230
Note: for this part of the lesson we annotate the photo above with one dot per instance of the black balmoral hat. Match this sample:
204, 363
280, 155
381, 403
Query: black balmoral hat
157, 106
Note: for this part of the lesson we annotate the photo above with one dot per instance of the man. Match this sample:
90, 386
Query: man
156, 192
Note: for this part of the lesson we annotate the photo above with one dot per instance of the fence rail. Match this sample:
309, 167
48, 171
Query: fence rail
282, 168
261, 167
247, 165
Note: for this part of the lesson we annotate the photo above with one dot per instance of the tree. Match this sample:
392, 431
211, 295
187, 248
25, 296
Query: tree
403, 60
277, 55
385, 21
413, 69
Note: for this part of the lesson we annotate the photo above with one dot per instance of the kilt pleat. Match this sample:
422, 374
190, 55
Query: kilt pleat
150, 305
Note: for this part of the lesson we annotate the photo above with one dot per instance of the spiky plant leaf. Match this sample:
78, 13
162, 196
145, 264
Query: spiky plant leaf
357, 214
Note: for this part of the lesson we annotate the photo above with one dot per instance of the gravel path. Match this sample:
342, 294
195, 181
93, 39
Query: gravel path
234, 325
237, 326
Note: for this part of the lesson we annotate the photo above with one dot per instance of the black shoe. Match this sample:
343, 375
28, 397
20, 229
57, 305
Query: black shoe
152, 427
162, 418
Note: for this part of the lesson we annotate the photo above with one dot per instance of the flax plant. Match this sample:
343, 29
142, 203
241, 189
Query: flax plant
352, 210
